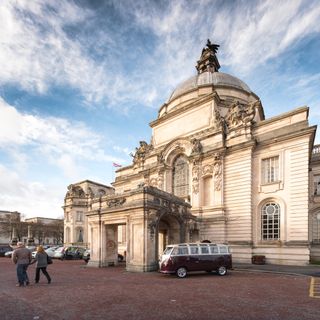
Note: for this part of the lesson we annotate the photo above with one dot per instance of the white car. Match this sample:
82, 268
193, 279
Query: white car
8, 254
59, 253
50, 251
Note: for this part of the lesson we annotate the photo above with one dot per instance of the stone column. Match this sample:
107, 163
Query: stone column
14, 239
30, 240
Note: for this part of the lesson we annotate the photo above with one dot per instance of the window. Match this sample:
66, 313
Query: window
183, 250
316, 182
270, 221
223, 249
79, 216
270, 170
180, 251
214, 249
181, 177
194, 250
205, 250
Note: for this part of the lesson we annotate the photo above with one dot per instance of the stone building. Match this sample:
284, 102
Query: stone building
216, 170
314, 218
75, 209
7, 220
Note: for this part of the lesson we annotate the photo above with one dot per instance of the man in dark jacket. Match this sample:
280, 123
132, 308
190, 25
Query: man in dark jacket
22, 257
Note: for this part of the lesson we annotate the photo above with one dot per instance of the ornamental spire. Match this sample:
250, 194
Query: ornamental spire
208, 60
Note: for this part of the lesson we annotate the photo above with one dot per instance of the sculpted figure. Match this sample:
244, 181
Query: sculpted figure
197, 146
140, 153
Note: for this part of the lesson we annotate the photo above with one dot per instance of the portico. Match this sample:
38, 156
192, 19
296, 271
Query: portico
153, 219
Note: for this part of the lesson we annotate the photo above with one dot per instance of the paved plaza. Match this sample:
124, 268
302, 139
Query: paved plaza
79, 292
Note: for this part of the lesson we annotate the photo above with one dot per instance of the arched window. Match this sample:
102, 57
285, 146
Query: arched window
270, 221
181, 177
79, 235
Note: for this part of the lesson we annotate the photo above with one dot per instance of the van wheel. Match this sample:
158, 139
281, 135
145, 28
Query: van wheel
181, 272
222, 271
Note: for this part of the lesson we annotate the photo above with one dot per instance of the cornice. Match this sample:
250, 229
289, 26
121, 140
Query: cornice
185, 108
292, 135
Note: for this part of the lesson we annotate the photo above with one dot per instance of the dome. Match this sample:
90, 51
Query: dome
217, 79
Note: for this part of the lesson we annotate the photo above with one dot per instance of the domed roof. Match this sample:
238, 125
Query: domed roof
217, 79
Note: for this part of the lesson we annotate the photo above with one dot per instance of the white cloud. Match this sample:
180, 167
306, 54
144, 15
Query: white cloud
60, 141
29, 197
64, 151
266, 31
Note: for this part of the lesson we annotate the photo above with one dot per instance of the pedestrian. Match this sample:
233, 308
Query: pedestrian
21, 256
42, 261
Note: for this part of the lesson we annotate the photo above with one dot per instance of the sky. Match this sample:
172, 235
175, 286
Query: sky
81, 80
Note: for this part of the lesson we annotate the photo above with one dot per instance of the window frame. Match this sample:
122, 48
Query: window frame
184, 186
270, 171
270, 229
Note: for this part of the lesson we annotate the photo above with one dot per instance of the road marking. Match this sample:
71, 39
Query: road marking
314, 291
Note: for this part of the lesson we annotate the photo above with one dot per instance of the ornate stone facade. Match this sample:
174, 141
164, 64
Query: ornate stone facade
215, 170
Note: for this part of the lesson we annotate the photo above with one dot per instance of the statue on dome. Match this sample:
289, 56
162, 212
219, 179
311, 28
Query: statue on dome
208, 60
212, 46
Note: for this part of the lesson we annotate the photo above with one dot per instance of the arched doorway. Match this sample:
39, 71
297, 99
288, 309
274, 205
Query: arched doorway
170, 230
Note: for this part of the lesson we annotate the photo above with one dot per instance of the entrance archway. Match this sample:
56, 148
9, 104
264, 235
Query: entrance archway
169, 232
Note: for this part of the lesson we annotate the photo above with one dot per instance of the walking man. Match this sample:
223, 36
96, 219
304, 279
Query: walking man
22, 257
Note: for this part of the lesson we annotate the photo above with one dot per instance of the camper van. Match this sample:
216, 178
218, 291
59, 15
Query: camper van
182, 258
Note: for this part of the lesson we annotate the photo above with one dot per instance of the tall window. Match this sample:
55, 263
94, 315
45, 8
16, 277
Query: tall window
207, 191
181, 177
316, 181
270, 170
270, 221
79, 216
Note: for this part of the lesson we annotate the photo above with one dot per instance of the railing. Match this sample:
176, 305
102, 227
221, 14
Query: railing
316, 149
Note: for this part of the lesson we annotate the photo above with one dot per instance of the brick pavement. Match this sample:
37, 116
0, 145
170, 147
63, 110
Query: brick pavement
78, 292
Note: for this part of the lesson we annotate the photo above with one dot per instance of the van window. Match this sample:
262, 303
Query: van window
168, 250
194, 250
214, 249
182, 250
223, 249
204, 250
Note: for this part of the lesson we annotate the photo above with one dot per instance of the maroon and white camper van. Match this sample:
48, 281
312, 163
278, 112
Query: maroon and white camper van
187, 257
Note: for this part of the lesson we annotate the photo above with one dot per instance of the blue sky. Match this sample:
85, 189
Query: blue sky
81, 80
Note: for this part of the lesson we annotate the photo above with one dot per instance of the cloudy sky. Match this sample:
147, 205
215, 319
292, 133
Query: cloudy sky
81, 80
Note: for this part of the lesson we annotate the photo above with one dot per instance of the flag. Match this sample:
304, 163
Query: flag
116, 165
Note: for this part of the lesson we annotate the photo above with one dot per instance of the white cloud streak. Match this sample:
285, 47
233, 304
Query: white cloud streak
60, 141
37, 51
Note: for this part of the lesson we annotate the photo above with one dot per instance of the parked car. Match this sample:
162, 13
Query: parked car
4, 249
58, 253
180, 259
50, 251
8, 254
72, 253
86, 256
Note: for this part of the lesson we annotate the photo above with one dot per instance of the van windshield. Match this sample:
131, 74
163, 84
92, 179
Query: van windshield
167, 250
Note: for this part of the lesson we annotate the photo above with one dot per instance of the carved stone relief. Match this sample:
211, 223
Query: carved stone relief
140, 153
217, 122
195, 178
116, 202
217, 171
196, 146
241, 114
207, 169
